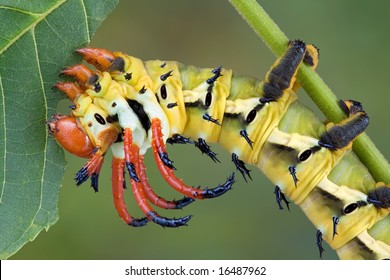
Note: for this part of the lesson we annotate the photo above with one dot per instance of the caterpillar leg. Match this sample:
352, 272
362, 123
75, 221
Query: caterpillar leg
167, 170
153, 197
281, 77
132, 159
340, 136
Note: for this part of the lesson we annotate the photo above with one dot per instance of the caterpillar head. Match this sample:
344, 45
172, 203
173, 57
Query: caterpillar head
69, 134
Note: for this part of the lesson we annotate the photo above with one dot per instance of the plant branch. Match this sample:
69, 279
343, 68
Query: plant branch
315, 87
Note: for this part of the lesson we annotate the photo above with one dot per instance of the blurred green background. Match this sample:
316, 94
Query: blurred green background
353, 38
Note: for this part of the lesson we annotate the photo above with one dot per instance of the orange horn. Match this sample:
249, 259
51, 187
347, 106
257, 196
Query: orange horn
72, 90
100, 58
80, 72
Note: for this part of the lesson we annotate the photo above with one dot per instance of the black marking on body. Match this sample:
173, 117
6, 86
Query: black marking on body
172, 105
319, 242
141, 114
138, 222
207, 117
284, 148
217, 74
330, 201
240, 165
128, 76
132, 172
281, 197
220, 189
335, 221
112, 119
165, 159
163, 92
165, 76
205, 149
293, 173
244, 134
208, 99
232, 115
99, 119
196, 104
168, 222
179, 139
142, 90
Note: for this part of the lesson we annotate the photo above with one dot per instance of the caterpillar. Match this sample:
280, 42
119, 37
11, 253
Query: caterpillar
130, 106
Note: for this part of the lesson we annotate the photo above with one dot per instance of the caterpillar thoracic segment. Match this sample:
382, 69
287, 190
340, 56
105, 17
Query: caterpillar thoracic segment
131, 106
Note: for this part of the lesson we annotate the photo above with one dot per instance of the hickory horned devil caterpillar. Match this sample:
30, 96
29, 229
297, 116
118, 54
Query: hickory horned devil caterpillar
129, 106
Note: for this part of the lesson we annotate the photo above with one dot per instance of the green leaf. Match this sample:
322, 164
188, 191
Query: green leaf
37, 40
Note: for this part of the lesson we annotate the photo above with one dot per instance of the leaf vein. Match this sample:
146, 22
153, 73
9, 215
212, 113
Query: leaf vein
5, 138
32, 25
86, 20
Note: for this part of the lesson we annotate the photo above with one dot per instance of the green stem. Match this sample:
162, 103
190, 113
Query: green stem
315, 87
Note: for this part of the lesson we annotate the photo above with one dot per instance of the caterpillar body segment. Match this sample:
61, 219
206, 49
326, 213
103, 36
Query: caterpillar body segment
259, 123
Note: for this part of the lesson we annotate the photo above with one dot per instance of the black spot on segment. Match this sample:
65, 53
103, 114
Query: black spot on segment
128, 76
208, 99
163, 92
97, 87
141, 114
350, 208
99, 119
142, 90
251, 116
305, 155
